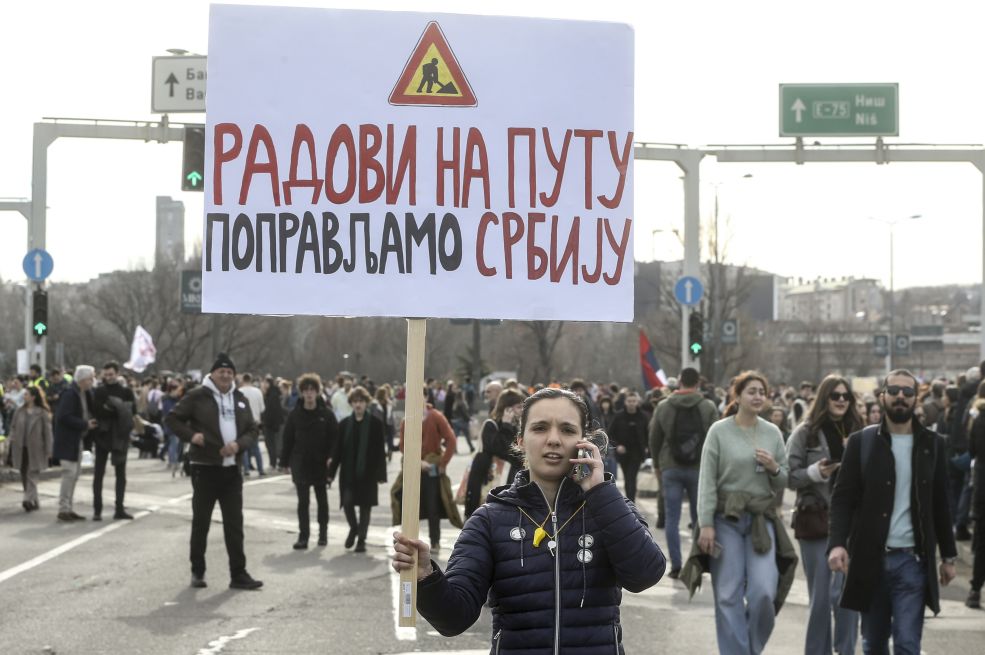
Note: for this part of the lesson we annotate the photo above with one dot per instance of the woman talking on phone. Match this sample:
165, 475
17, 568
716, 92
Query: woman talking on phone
743, 467
551, 554
814, 453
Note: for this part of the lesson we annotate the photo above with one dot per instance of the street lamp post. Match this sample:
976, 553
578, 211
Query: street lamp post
892, 287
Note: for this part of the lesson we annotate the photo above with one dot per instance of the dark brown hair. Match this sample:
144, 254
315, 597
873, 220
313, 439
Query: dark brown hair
309, 381
507, 398
818, 413
359, 393
739, 383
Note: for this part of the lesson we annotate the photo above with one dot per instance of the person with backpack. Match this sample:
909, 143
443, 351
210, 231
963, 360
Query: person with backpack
677, 433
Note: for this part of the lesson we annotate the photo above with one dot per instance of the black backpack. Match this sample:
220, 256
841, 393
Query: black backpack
688, 435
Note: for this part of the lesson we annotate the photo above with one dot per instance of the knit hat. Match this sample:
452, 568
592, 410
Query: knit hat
223, 361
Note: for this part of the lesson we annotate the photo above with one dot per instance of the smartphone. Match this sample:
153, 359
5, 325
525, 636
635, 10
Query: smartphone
716, 550
581, 471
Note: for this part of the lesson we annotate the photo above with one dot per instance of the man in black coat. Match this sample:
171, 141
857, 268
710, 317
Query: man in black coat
888, 517
216, 420
114, 408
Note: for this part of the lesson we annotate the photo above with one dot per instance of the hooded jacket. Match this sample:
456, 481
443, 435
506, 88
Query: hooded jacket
198, 411
545, 603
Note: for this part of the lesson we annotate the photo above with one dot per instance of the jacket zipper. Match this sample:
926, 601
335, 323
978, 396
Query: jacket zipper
497, 638
557, 568
615, 637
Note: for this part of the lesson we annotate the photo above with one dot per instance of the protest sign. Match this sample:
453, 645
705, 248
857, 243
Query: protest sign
403, 164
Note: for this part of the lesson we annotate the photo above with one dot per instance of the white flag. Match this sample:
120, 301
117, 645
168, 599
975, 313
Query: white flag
142, 352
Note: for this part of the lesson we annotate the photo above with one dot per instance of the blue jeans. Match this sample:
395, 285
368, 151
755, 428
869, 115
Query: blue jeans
611, 465
896, 608
744, 583
824, 587
675, 482
174, 449
254, 453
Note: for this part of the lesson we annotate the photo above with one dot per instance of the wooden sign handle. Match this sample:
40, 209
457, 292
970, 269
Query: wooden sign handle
413, 420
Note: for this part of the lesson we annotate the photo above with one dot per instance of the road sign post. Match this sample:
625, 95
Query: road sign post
839, 110
689, 290
38, 264
178, 84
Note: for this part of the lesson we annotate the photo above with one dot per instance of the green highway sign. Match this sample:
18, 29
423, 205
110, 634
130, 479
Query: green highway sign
839, 110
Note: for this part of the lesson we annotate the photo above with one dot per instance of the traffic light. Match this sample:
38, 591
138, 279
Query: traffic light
696, 334
39, 323
193, 159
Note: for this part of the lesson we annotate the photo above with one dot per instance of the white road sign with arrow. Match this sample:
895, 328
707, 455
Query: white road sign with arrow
178, 84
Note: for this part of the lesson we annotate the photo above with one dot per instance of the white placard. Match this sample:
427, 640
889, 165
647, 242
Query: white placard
481, 167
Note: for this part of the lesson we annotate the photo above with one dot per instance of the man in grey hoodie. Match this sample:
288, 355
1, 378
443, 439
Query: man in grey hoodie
216, 420
677, 432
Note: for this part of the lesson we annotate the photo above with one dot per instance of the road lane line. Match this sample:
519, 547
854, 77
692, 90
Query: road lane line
218, 644
64, 548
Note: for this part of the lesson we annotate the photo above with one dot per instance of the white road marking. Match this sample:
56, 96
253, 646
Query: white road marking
64, 548
217, 645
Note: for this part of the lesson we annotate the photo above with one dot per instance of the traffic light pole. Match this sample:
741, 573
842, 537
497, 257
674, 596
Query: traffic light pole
37, 220
689, 161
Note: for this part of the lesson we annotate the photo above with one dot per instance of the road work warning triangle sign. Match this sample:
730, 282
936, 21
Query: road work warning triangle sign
432, 76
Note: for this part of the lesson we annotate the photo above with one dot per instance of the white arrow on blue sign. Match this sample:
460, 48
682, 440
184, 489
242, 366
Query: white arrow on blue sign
38, 264
689, 290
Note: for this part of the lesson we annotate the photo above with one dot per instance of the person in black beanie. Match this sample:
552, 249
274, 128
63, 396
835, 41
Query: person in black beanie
216, 420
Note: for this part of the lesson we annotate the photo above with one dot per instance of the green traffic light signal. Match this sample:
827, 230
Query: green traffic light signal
696, 334
40, 313
193, 159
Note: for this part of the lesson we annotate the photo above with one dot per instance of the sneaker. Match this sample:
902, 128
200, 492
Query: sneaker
435, 546
323, 539
301, 544
198, 582
974, 600
121, 514
27, 505
361, 546
97, 517
77, 517
244, 581
674, 573
351, 539
66, 516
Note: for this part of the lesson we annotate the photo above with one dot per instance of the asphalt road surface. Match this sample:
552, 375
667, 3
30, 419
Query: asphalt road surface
122, 586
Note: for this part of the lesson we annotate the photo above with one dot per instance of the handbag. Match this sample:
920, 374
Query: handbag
810, 518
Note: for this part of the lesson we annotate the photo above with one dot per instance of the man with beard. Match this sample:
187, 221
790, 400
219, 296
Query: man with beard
889, 516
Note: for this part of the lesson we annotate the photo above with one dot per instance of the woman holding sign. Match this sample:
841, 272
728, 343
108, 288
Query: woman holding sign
560, 514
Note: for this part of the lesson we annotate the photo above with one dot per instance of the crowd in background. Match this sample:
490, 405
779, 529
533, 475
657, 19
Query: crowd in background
799, 435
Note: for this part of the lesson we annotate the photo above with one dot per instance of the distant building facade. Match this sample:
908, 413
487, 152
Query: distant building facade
170, 239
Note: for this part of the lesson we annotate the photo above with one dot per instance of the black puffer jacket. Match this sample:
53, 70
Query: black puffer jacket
309, 439
542, 603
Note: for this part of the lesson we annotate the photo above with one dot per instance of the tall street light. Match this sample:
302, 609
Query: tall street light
891, 222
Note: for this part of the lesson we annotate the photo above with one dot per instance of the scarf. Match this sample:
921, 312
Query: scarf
355, 453
832, 431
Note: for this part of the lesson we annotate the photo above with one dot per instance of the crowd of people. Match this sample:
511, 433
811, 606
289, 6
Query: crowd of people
885, 479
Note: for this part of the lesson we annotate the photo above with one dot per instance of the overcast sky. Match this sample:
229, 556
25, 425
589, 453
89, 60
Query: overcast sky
707, 72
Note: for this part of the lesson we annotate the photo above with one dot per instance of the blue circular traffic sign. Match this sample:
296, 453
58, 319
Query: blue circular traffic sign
689, 290
38, 264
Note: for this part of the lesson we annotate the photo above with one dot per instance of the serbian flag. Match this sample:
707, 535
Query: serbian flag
653, 375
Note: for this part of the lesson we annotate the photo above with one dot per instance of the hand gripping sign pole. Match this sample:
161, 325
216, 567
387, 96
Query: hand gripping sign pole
413, 421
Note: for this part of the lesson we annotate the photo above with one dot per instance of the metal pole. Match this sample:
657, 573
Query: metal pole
892, 300
691, 165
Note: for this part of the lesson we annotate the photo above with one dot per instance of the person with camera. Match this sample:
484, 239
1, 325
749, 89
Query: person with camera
551, 554
814, 454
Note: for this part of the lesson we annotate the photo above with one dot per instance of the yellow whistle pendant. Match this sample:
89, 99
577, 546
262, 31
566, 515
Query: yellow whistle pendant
539, 535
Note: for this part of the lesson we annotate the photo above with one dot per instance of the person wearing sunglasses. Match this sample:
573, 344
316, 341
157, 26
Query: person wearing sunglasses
889, 517
814, 454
